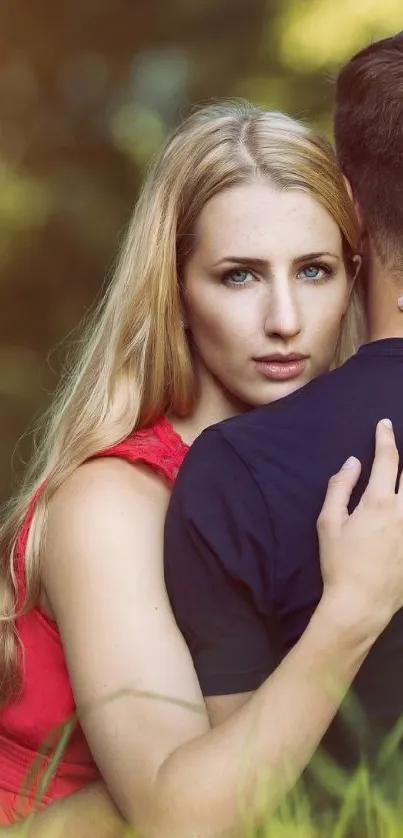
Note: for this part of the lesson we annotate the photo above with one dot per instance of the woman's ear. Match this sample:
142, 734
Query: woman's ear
352, 276
183, 310
357, 262
349, 188
357, 206
183, 317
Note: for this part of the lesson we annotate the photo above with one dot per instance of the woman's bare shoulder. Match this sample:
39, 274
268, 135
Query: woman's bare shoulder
108, 483
105, 505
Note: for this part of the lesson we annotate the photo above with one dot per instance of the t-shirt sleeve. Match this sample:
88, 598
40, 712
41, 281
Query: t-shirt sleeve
218, 568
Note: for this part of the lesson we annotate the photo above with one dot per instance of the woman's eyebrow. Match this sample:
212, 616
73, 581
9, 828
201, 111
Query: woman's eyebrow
305, 257
242, 260
254, 262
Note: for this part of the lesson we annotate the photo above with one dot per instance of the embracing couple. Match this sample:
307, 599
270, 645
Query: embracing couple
258, 272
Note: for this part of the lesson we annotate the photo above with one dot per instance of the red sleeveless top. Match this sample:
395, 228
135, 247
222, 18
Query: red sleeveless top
31, 726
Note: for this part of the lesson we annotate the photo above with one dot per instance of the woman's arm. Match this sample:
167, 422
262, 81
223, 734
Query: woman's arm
169, 774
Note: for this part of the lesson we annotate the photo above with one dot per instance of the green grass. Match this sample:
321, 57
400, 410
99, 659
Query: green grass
367, 809
326, 803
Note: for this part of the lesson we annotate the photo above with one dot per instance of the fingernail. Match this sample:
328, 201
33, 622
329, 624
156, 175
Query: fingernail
352, 461
387, 422
400, 303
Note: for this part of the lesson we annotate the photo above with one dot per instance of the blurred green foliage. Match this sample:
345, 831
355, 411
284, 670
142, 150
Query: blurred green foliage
88, 89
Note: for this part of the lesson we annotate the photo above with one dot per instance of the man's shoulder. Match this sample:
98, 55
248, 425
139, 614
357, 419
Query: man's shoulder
282, 431
215, 480
214, 456
317, 397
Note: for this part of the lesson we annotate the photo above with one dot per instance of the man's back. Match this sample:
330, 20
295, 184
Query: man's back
255, 572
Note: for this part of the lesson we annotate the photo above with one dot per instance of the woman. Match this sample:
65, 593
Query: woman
168, 354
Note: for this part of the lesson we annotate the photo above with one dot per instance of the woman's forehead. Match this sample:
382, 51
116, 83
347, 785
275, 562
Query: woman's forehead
259, 221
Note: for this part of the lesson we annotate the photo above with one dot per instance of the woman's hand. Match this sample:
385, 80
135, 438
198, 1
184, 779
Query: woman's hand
362, 553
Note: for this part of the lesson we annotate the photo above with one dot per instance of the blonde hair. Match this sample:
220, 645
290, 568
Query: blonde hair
134, 363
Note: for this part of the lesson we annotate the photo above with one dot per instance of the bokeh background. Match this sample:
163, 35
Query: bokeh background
88, 90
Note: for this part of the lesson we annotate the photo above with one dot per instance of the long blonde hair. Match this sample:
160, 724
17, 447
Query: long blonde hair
134, 362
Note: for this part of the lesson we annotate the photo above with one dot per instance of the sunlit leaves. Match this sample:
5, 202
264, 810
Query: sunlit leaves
320, 34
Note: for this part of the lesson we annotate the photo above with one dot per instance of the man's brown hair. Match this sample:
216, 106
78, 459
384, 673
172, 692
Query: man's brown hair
368, 125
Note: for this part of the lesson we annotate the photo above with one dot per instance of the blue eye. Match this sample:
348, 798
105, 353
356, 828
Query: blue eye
238, 276
311, 272
315, 272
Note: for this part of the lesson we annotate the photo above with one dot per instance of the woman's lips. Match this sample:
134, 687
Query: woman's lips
281, 369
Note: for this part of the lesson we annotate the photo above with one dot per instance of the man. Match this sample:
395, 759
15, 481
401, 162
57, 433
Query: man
242, 563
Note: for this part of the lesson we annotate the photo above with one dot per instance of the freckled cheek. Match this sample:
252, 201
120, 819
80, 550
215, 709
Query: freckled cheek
325, 334
218, 326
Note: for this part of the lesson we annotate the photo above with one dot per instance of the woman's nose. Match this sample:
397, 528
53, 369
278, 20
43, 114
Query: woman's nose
283, 316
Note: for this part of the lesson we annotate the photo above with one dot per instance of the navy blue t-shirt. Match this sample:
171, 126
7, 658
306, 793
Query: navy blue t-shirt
241, 550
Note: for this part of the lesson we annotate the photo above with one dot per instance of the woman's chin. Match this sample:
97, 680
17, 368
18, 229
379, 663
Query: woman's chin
273, 391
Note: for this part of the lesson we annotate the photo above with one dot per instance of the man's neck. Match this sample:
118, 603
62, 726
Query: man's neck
384, 318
